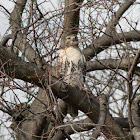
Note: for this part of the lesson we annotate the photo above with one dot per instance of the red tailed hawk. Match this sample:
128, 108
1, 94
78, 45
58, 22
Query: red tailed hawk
71, 66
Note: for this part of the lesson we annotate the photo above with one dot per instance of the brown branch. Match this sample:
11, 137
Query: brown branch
122, 64
87, 103
5, 9
104, 42
71, 18
109, 37
77, 126
85, 125
135, 92
134, 64
102, 116
5, 40
114, 21
130, 87
16, 15
20, 40
123, 122
135, 119
31, 123
61, 112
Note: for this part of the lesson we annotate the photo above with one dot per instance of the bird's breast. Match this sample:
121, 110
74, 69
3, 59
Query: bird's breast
73, 54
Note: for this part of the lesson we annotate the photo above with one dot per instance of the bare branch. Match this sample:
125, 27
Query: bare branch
130, 87
31, 73
112, 64
5, 9
5, 40
118, 14
104, 42
107, 38
20, 41
134, 64
15, 17
38, 40
71, 18
102, 116
78, 126
135, 119
85, 125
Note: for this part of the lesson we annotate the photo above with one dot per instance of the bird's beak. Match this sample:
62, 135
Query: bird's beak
74, 39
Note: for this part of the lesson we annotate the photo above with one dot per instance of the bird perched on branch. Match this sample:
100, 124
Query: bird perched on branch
70, 66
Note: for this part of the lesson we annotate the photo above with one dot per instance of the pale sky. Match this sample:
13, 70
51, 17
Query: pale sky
4, 22
9, 5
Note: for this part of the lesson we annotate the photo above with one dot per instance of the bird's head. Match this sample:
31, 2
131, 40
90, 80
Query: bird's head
71, 40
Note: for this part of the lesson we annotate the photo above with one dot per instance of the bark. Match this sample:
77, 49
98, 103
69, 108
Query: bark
78, 126
16, 68
38, 119
130, 87
110, 36
123, 122
15, 18
29, 128
33, 125
102, 116
122, 64
135, 120
5, 40
85, 125
71, 18
134, 64
19, 38
132, 115
104, 42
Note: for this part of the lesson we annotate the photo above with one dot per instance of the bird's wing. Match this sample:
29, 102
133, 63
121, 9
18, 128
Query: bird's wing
61, 64
82, 66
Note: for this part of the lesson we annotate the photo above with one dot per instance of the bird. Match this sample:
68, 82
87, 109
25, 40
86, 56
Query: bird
70, 66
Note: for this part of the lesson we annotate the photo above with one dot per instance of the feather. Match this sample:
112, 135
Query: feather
71, 66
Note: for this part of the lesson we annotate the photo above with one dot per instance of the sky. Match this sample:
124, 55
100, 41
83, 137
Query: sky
4, 25
9, 5
4, 22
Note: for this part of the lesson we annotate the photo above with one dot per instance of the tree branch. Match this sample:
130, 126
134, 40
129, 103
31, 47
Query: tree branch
114, 21
5, 9
112, 64
28, 72
130, 87
20, 40
5, 40
78, 126
85, 125
110, 37
102, 116
104, 42
135, 119
71, 18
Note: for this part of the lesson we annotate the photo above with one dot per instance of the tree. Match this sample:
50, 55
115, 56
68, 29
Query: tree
110, 98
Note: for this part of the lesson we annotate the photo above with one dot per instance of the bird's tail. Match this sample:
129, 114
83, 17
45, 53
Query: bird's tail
72, 111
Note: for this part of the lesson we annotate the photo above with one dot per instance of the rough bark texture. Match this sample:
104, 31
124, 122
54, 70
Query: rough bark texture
122, 64
20, 38
110, 36
135, 120
71, 18
37, 121
33, 74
